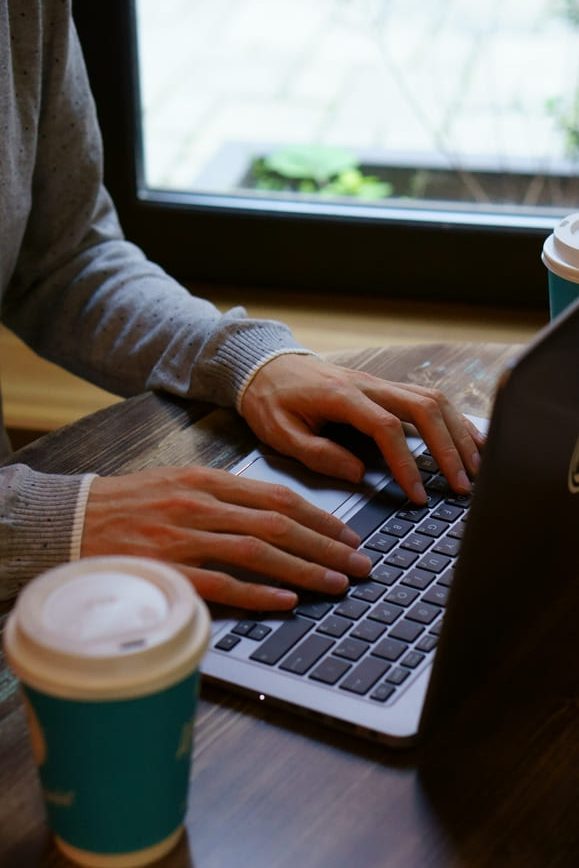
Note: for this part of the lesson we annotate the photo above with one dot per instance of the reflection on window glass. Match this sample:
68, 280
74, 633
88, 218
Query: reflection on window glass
385, 101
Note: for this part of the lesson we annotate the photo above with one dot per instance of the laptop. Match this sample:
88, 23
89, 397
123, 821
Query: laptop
457, 588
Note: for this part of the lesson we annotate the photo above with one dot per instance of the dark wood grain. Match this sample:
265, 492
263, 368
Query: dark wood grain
272, 790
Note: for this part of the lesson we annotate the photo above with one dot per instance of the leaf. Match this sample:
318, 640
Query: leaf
310, 162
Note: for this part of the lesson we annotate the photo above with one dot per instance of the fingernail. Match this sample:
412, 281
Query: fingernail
359, 564
287, 599
350, 538
462, 481
475, 460
418, 493
335, 582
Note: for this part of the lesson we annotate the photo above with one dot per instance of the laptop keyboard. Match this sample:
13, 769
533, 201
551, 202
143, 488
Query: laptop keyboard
374, 639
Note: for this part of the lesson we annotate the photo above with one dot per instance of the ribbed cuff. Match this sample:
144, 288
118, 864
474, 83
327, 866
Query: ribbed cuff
38, 512
79, 516
244, 346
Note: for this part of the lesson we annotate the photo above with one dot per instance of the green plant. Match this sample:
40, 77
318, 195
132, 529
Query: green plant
316, 169
567, 119
570, 10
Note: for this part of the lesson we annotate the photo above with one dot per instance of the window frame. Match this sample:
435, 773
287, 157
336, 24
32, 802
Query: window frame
426, 254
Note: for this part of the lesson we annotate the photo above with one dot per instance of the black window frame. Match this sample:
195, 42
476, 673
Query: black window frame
471, 257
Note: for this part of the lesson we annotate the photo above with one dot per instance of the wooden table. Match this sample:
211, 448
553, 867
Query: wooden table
273, 790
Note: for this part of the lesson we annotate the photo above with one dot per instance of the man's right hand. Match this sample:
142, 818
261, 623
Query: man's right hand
196, 516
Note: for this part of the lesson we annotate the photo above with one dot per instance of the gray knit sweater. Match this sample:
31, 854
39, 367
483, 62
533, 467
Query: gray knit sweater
75, 290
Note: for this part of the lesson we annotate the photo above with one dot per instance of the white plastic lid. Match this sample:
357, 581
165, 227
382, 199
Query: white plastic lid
561, 249
101, 612
104, 627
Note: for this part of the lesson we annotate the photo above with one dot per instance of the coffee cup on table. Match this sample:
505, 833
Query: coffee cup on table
561, 258
107, 651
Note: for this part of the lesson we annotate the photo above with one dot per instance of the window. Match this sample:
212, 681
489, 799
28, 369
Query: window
389, 146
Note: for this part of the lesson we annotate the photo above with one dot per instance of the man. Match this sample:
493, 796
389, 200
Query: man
85, 298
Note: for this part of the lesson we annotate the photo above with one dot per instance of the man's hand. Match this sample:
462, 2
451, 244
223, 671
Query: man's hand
293, 396
197, 518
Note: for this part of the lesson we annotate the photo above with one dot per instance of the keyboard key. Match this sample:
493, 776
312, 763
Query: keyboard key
446, 578
463, 500
439, 485
378, 510
281, 640
330, 670
433, 497
243, 628
432, 527
397, 676
418, 579
306, 654
435, 630
427, 643
447, 546
435, 563
334, 626
351, 649
414, 514
401, 558
457, 532
416, 543
385, 574
397, 526
368, 630
401, 596
406, 631
352, 609
375, 557
447, 512
423, 613
227, 642
381, 543
259, 632
386, 613
437, 595
382, 692
425, 461
368, 591
412, 659
390, 649
316, 609
364, 675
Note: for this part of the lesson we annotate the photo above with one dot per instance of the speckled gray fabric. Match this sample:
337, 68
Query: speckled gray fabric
73, 289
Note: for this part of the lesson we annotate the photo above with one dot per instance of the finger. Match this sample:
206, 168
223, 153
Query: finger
386, 429
478, 436
318, 453
324, 456
259, 556
218, 587
284, 533
228, 488
442, 428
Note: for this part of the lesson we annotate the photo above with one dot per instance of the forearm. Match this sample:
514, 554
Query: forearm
82, 296
127, 326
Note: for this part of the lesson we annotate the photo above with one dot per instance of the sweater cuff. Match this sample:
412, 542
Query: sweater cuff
79, 516
41, 519
239, 348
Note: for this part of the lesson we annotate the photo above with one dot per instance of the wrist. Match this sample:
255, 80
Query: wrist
256, 372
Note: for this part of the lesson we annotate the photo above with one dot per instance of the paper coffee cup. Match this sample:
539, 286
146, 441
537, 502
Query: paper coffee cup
561, 257
107, 651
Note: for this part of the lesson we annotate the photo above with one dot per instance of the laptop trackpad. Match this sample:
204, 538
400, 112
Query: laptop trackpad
325, 493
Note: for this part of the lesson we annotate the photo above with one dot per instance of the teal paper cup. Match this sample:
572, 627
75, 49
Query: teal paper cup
561, 258
107, 651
